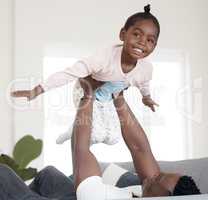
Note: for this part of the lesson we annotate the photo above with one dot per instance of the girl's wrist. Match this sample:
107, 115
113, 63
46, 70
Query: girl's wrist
38, 90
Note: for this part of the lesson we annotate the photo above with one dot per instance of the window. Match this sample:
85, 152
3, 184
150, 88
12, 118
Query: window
166, 128
59, 114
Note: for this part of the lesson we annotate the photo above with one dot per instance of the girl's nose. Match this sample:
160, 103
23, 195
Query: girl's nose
142, 40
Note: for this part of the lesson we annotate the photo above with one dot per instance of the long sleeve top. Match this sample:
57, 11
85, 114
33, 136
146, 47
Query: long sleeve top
104, 65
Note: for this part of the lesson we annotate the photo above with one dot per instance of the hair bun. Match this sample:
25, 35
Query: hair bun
147, 8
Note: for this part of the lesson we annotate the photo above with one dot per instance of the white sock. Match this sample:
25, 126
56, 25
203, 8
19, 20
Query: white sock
64, 137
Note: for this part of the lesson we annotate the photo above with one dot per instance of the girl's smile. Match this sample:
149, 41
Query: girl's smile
139, 40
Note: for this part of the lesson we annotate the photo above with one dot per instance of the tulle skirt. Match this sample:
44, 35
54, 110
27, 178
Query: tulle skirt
105, 122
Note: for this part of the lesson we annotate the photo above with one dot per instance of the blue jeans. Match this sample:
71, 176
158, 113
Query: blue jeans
49, 184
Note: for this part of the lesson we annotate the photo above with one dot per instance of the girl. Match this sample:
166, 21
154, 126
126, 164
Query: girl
120, 66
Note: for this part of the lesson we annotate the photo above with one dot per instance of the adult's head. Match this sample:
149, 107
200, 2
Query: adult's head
167, 184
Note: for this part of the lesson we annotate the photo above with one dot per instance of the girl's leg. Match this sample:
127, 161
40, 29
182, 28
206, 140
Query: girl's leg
51, 183
13, 188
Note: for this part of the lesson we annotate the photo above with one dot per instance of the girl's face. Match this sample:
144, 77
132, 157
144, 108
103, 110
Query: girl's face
140, 39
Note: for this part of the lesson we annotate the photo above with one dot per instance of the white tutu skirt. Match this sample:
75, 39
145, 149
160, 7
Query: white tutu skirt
105, 122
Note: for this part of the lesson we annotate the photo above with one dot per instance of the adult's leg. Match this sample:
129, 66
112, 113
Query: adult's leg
136, 140
13, 188
52, 183
85, 163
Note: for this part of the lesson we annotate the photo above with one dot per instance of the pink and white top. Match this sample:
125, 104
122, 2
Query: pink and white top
104, 65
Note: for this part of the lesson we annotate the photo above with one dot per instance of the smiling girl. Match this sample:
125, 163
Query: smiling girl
120, 65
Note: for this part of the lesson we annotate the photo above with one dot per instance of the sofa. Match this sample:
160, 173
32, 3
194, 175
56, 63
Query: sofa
197, 168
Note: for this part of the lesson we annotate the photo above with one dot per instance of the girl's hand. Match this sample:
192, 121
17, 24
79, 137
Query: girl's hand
29, 94
149, 102
24, 93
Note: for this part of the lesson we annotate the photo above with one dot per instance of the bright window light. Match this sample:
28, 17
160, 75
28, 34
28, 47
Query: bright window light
59, 115
166, 128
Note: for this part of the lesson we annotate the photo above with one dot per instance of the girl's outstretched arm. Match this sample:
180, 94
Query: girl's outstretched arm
29, 94
58, 79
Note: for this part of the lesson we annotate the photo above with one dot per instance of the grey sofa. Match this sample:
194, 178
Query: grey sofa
197, 168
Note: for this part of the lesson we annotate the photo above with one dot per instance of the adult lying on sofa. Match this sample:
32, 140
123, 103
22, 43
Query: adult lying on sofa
127, 177
51, 184
87, 173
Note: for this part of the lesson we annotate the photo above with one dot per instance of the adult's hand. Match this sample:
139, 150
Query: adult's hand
89, 85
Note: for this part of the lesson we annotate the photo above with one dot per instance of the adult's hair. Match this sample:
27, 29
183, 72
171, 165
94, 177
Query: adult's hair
185, 186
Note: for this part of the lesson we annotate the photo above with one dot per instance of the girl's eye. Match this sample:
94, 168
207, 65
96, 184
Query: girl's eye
136, 34
151, 41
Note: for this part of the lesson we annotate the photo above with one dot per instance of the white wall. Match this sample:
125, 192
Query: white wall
6, 61
86, 25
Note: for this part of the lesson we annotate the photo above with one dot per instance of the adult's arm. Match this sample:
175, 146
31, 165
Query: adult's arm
134, 136
84, 162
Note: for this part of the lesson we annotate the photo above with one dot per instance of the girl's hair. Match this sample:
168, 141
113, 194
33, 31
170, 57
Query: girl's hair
142, 16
